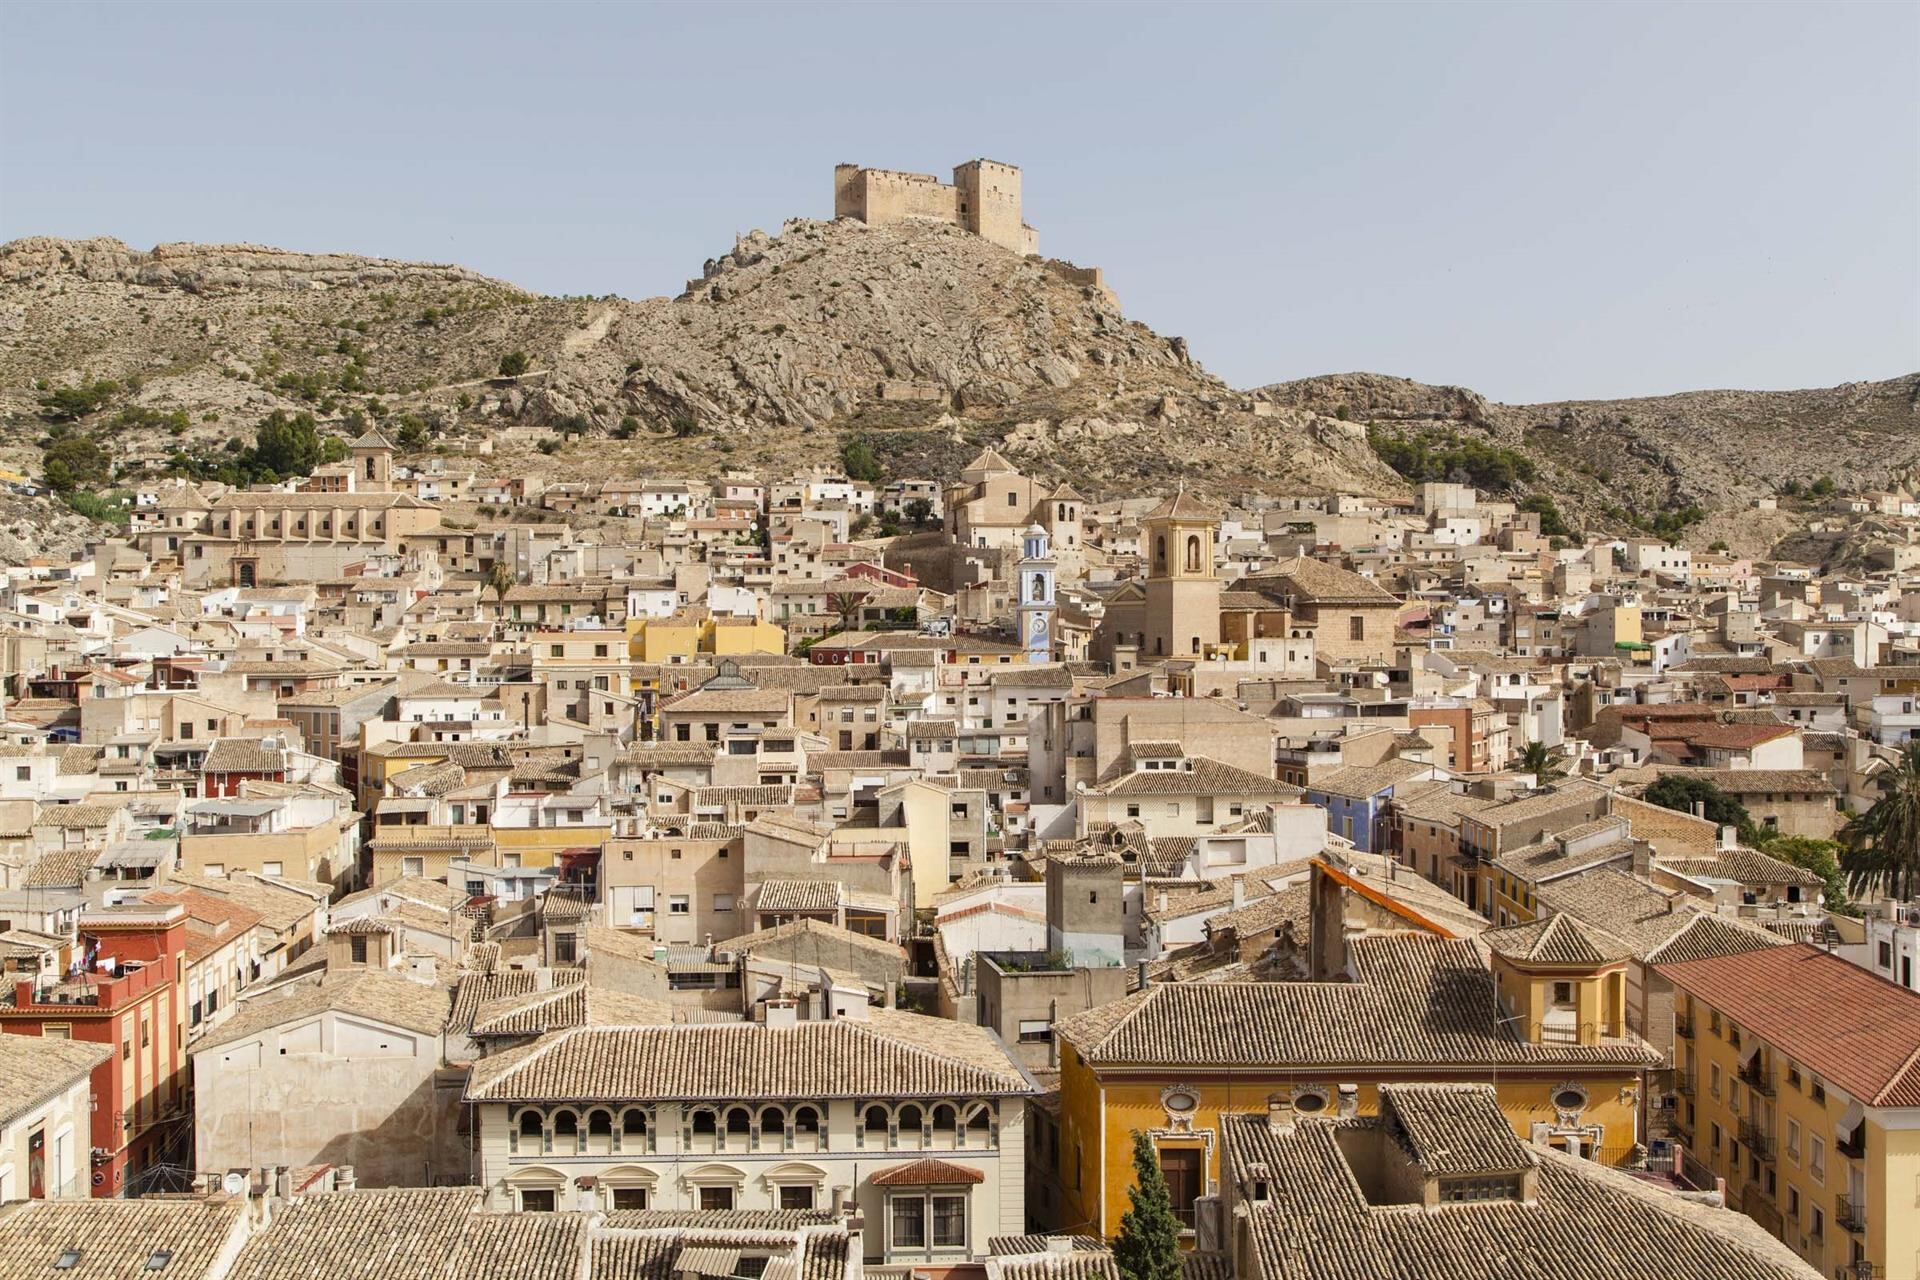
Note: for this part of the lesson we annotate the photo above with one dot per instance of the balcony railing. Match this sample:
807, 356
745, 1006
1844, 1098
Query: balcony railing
1757, 1078
1683, 1085
1850, 1215
1862, 1270
1683, 1026
1855, 1147
1756, 1140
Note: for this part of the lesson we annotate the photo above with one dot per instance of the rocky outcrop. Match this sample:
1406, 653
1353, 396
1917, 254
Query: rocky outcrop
215, 268
825, 328
1713, 449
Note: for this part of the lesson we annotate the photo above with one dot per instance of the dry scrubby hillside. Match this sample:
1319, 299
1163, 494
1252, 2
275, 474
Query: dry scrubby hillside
779, 350
1712, 449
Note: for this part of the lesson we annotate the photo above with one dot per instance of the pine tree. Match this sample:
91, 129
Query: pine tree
1148, 1246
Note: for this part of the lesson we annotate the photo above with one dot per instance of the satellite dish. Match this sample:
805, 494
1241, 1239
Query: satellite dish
234, 1184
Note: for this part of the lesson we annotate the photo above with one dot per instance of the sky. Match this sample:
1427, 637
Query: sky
1538, 201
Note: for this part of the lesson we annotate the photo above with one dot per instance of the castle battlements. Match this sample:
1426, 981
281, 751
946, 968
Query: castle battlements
984, 198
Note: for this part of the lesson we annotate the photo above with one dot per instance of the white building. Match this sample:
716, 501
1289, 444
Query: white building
920, 1121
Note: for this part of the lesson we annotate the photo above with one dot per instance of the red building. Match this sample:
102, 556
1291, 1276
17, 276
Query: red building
126, 990
232, 761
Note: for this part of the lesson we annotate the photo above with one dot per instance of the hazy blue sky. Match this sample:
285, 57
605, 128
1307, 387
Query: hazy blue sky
1539, 201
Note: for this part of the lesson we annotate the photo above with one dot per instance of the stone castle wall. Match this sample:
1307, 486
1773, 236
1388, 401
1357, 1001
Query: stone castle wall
984, 198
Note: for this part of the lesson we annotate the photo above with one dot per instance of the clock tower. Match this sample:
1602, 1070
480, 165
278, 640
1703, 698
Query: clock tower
1037, 605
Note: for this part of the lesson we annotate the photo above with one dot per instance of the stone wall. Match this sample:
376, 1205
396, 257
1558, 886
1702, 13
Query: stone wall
984, 198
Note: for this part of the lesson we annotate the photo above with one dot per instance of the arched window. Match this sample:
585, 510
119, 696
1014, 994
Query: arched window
979, 1123
633, 1124
806, 1120
909, 1118
739, 1120
875, 1120
530, 1126
1160, 552
600, 1123
944, 1122
773, 1121
1193, 553
565, 1124
703, 1122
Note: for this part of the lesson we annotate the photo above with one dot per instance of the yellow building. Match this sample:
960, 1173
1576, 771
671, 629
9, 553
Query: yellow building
1172, 1060
683, 638
1798, 1077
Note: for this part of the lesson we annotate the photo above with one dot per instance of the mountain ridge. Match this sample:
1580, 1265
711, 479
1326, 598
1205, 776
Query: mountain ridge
918, 337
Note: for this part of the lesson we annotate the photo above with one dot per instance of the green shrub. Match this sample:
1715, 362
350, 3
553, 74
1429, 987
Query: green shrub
513, 364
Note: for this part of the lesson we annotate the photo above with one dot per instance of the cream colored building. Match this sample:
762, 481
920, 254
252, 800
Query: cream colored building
919, 1121
46, 1116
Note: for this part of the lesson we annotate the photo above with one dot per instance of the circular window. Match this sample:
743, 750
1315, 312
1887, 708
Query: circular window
1180, 1102
1570, 1098
1310, 1101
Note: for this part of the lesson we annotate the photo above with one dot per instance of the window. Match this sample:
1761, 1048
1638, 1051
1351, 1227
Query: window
629, 1198
909, 1218
796, 1197
1713, 1079
716, 1198
723, 902
566, 948
1886, 955
1035, 1031
679, 904
413, 866
272, 868
357, 948
1818, 1228
1817, 1158
1793, 1140
1356, 628
949, 1222
538, 1199
1185, 1178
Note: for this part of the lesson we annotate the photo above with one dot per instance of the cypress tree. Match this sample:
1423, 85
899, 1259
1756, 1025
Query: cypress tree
1148, 1246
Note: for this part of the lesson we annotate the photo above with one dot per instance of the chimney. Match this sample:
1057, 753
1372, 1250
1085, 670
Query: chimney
1239, 892
1160, 900
1145, 981
1729, 837
1060, 1245
1349, 1100
1280, 1112
343, 1179
781, 1013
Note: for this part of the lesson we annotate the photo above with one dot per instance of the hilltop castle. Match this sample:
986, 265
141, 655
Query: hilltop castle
984, 198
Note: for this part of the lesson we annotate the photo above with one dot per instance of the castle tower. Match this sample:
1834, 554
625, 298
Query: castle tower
989, 204
1183, 592
1037, 604
372, 462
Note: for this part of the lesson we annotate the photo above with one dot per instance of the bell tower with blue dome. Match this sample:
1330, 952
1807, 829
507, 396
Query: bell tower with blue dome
1037, 607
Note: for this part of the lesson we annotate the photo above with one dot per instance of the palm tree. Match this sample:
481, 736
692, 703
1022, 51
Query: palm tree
1536, 758
1882, 851
500, 578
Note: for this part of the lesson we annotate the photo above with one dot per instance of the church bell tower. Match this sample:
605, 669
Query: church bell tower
1037, 607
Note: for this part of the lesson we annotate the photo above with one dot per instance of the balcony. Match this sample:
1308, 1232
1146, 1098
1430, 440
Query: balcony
1757, 1078
1861, 1270
1756, 1140
1683, 1085
1854, 1147
1682, 1027
1850, 1215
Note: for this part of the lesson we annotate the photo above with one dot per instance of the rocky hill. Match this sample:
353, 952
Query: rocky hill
922, 339
1711, 449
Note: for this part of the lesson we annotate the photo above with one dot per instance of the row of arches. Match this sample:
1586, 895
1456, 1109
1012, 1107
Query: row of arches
566, 1131
719, 1127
